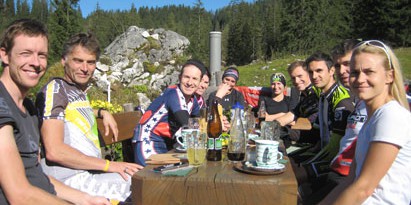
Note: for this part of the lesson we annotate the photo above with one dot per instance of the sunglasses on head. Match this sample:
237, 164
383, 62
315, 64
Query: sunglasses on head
380, 45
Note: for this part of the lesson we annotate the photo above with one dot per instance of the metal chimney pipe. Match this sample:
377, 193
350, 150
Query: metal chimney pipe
215, 57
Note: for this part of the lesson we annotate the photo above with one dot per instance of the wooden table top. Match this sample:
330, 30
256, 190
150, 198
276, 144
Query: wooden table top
214, 183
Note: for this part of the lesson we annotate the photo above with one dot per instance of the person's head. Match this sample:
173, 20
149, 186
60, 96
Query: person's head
231, 76
278, 83
24, 52
299, 75
190, 77
321, 70
79, 57
376, 74
204, 83
341, 55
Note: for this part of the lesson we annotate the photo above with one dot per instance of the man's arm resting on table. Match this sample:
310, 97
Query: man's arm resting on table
13, 181
274, 116
286, 119
57, 151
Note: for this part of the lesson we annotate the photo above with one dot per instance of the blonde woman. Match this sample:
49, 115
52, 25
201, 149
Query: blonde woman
383, 152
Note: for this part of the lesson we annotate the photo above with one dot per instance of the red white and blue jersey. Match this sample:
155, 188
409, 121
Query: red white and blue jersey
159, 123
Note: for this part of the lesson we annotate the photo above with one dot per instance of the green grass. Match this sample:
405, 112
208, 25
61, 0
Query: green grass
253, 75
404, 56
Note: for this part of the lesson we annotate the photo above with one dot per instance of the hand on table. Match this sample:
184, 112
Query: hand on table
124, 168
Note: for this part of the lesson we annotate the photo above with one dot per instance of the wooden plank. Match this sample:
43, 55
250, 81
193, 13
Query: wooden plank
126, 123
302, 124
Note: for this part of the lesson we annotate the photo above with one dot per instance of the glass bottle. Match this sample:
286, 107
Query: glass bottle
214, 130
237, 143
261, 114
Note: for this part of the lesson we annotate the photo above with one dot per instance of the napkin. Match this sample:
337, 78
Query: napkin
159, 159
181, 172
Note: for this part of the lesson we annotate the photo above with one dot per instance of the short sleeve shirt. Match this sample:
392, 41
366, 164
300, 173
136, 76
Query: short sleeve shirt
390, 124
27, 136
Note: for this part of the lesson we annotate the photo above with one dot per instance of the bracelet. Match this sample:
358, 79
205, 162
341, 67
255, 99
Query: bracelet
99, 113
107, 165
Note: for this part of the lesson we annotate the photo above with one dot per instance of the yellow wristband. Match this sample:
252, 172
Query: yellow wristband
107, 165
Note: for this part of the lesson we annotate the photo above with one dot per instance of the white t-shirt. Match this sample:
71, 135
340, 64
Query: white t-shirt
391, 123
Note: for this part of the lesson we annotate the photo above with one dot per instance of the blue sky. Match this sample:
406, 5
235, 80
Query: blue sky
87, 6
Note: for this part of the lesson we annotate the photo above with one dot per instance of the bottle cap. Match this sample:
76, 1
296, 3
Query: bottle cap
237, 105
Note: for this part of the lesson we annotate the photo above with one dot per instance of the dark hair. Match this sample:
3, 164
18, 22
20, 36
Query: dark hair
86, 40
296, 64
343, 48
320, 56
28, 27
207, 73
197, 63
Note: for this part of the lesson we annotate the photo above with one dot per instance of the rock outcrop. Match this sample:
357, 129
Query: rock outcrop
142, 57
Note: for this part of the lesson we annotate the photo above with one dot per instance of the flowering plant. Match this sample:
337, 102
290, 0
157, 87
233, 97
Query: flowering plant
106, 105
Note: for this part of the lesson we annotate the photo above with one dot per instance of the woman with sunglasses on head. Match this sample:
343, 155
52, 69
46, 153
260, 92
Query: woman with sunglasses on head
383, 153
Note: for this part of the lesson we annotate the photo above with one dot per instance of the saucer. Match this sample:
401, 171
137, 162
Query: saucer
276, 167
247, 167
180, 149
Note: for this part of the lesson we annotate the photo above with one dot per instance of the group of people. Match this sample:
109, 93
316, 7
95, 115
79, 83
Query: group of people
362, 147
355, 100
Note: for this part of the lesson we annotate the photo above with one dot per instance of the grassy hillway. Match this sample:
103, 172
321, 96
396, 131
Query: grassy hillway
253, 75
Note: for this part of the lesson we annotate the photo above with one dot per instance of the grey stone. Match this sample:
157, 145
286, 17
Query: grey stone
130, 51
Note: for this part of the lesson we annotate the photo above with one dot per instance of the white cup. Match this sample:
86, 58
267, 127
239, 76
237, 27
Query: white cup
267, 153
182, 139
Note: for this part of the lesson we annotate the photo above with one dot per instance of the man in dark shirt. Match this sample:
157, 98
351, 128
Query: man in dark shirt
225, 94
307, 106
334, 106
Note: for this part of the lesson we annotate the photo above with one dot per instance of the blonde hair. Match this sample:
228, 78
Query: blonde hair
397, 90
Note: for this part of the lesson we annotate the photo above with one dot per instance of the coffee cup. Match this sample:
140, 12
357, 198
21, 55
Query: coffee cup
267, 154
182, 138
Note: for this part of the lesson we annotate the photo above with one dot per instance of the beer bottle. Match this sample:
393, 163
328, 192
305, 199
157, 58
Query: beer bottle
214, 130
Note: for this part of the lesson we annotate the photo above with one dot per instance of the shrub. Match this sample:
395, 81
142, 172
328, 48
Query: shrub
106, 60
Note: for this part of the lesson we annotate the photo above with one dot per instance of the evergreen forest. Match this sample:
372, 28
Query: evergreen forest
263, 30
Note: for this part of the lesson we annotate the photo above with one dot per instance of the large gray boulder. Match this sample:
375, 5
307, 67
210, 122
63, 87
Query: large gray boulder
142, 57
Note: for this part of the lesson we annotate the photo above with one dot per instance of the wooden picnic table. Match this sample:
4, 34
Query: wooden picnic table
214, 183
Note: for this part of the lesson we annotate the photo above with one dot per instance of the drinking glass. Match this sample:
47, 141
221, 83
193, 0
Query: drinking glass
196, 143
270, 130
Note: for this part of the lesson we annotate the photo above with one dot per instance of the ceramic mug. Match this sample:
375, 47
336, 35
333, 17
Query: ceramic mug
267, 154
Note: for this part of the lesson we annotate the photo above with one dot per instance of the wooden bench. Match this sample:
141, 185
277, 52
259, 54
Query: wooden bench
126, 123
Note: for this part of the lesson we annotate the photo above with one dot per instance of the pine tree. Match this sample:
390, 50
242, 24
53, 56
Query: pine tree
64, 21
